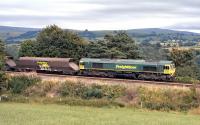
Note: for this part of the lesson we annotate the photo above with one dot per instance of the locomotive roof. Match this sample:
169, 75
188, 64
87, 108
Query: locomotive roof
126, 61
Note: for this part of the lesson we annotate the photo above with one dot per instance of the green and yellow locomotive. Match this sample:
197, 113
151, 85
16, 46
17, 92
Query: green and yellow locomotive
136, 69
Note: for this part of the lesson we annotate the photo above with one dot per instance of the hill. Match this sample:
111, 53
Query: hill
17, 34
12, 34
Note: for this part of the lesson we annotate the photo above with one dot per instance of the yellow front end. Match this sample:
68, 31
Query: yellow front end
81, 65
169, 69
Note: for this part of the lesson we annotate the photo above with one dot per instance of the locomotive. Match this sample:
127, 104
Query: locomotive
126, 68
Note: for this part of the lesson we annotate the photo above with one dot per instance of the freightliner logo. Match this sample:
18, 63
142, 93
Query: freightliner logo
125, 67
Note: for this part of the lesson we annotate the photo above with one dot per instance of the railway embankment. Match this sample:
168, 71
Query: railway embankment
97, 92
108, 81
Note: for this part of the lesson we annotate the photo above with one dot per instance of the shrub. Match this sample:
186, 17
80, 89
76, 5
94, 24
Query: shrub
186, 79
93, 92
17, 84
81, 90
114, 91
73, 89
3, 85
188, 74
167, 99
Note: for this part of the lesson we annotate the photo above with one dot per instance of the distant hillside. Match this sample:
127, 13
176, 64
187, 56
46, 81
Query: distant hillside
12, 34
147, 35
17, 34
22, 37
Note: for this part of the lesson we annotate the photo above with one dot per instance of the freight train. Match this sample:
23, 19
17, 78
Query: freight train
126, 68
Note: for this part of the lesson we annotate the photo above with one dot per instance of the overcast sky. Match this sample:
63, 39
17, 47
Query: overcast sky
102, 14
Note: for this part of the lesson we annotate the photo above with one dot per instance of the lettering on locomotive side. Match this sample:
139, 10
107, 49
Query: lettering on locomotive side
125, 67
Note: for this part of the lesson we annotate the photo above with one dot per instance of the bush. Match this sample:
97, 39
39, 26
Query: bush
81, 90
188, 73
93, 93
186, 79
113, 92
3, 84
72, 89
167, 99
17, 84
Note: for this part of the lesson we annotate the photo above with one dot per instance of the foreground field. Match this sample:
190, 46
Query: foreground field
33, 114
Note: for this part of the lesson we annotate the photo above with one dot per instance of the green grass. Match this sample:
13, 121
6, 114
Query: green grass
36, 114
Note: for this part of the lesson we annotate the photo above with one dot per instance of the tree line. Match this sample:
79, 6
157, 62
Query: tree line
53, 41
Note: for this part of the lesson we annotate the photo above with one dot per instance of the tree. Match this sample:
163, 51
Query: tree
122, 46
52, 41
28, 48
182, 57
185, 62
97, 49
118, 45
188, 71
2, 59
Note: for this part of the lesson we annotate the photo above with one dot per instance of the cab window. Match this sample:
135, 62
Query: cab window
166, 67
81, 63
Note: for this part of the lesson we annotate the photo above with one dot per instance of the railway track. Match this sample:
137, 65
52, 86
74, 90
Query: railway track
109, 80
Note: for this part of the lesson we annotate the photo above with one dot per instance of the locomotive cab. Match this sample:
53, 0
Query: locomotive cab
169, 69
81, 65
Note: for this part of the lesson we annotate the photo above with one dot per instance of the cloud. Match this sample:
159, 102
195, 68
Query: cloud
101, 14
186, 26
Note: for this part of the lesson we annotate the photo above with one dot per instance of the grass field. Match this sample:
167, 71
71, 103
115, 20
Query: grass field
35, 114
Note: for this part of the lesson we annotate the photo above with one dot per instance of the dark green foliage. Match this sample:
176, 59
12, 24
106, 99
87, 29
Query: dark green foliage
187, 69
17, 84
182, 57
122, 45
97, 49
2, 74
52, 41
2, 54
93, 93
118, 45
188, 72
28, 48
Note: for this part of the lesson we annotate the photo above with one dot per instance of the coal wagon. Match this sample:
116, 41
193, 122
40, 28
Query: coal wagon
47, 65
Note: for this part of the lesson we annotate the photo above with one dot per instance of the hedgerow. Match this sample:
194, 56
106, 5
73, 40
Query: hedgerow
18, 84
32, 89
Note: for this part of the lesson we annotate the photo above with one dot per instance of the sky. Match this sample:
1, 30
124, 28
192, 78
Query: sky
102, 14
